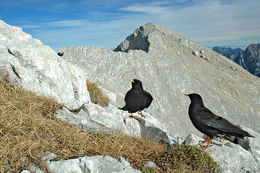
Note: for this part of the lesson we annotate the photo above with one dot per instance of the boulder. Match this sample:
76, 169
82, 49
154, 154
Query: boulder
230, 157
94, 164
26, 62
254, 145
93, 117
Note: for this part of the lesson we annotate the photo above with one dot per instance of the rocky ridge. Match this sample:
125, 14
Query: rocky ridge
226, 51
19, 50
249, 58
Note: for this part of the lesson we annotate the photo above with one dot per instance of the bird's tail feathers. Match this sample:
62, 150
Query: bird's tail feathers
123, 108
237, 131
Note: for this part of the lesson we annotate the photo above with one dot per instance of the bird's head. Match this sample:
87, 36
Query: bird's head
136, 84
195, 98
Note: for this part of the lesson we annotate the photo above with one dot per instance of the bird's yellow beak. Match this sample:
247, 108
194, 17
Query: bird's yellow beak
186, 94
132, 81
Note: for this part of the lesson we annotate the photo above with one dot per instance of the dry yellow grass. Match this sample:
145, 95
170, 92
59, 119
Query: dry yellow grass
96, 94
28, 130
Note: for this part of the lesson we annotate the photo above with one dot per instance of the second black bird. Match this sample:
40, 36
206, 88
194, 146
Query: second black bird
210, 124
137, 99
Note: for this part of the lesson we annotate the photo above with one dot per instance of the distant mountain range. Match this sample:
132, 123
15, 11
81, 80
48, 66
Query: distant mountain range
249, 58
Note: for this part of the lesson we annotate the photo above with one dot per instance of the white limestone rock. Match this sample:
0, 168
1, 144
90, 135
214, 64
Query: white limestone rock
192, 139
35, 169
233, 158
96, 118
163, 60
94, 164
110, 119
230, 157
254, 145
28, 63
150, 164
25, 171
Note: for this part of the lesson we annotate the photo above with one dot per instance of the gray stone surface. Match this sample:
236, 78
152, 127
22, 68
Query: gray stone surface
229, 157
94, 164
151, 165
25, 171
96, 118
254, 145
28, 63
168, 69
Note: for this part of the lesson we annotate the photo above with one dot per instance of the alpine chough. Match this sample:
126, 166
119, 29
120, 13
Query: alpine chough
209, 123
137, 99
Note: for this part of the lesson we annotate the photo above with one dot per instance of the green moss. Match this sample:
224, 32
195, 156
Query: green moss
192, 158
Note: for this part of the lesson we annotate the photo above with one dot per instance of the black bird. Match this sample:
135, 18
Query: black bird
137, 99
209, 123
60, 53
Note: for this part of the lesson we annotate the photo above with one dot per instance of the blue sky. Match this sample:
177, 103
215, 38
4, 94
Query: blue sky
106, 23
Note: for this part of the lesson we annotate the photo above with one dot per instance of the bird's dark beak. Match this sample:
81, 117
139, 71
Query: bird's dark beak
132, 81
186, 94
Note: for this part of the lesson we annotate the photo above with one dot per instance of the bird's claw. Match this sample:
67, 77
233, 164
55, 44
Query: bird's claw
132, 116
141, 113
202, 142
206, 146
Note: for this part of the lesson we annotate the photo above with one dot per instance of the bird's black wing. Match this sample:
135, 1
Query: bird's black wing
149, 99
128, 94
223, 126
127, 99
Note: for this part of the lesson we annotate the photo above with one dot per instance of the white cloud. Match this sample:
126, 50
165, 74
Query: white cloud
145, 9
67, 23
29, 26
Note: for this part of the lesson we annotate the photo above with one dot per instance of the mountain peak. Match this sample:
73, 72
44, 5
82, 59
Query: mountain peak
140, 39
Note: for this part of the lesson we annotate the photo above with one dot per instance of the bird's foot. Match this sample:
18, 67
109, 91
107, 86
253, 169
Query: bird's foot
206, 140
141, 113
132, 116
206, 146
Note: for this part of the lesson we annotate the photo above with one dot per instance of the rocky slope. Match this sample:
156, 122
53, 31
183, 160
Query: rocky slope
27, 62
249, 59
170, 65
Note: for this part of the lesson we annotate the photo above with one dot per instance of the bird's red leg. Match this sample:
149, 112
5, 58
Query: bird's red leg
132, 115
141, 113
208, 143
205, 140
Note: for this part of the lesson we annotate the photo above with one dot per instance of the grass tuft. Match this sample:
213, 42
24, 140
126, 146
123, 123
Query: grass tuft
192, 158
96, 94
